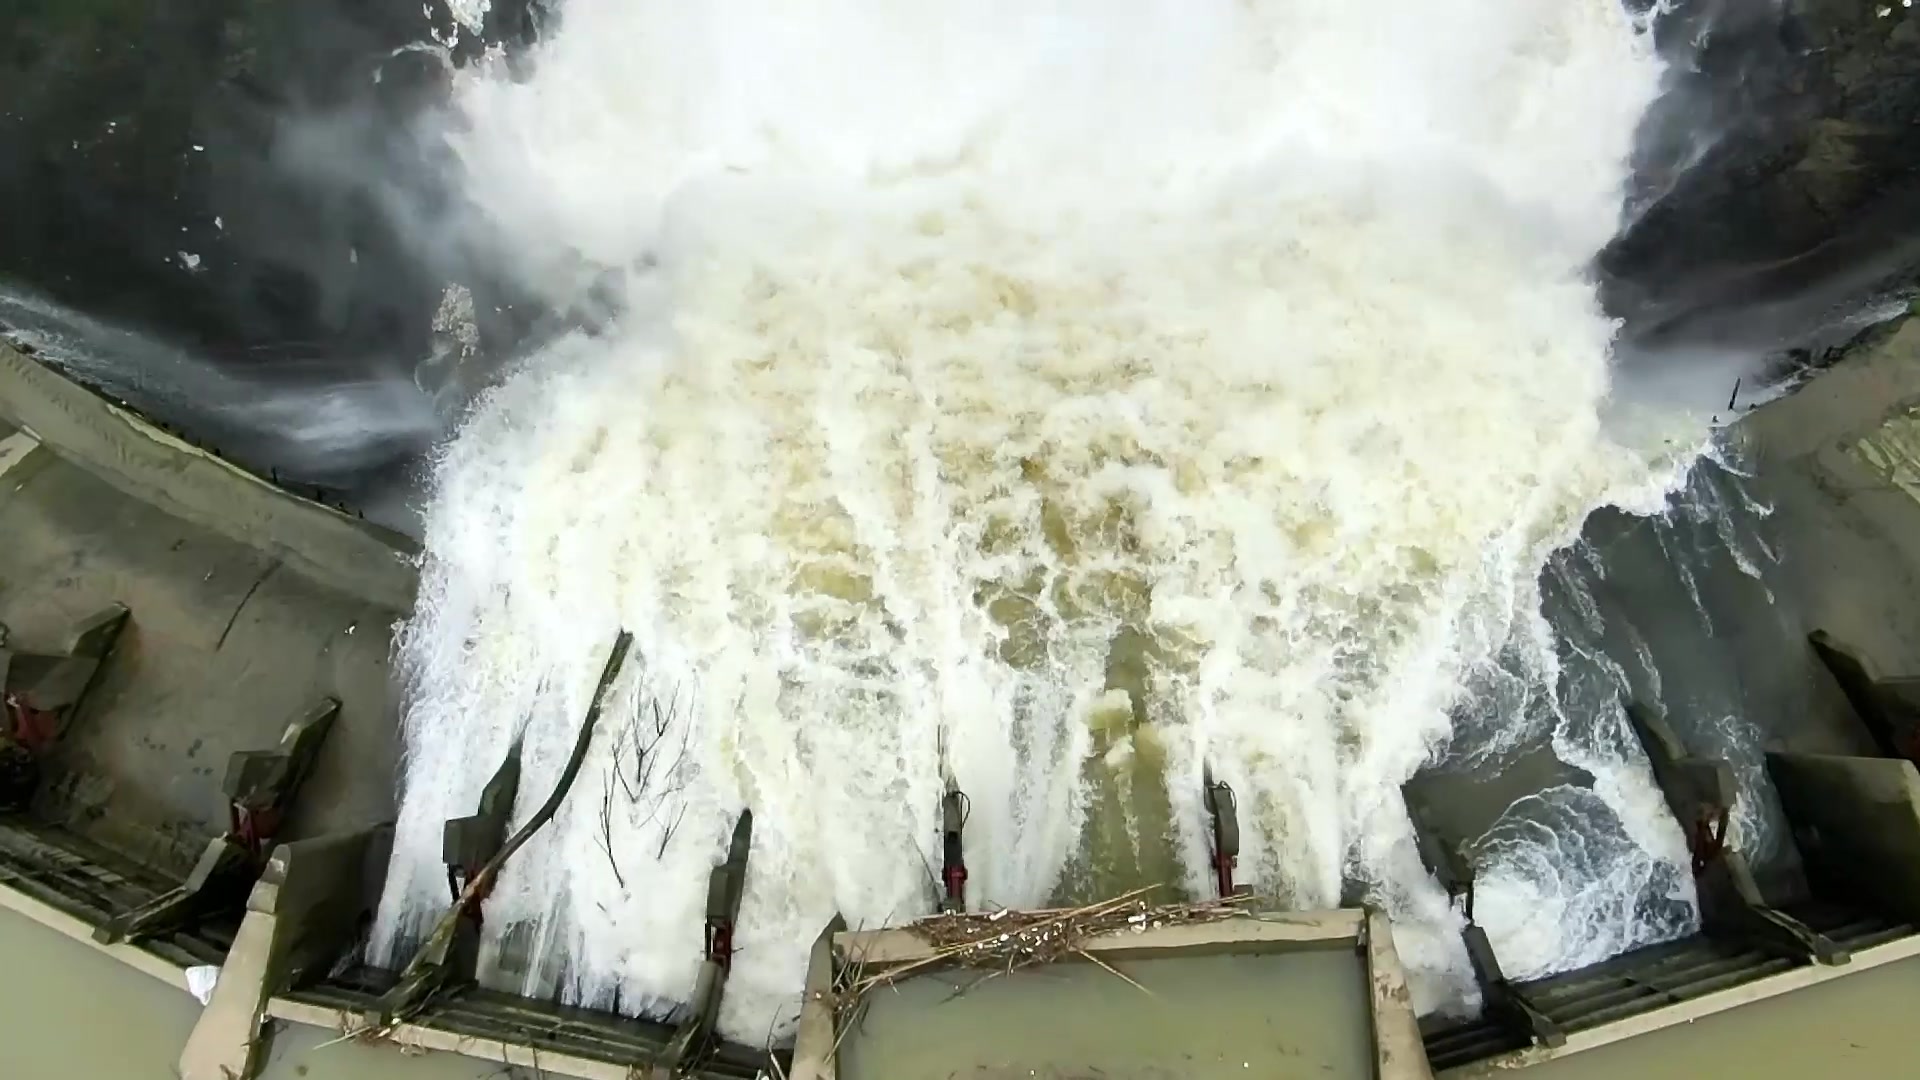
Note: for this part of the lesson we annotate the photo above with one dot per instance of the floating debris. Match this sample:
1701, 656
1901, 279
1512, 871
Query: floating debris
1009, 940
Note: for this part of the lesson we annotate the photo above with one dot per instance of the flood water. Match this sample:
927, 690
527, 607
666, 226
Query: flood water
1271, 1015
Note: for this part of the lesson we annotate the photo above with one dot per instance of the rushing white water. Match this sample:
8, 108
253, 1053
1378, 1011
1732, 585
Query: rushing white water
961, 340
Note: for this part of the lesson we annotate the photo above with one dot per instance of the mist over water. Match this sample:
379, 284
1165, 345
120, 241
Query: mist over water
1052, 391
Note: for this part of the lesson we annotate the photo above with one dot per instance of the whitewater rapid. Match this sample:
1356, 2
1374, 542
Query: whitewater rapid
958, 343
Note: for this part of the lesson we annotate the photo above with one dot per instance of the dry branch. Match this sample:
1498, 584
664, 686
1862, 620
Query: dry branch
1011, 940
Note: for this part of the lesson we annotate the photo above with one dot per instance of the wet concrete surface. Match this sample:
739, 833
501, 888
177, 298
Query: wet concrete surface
1854, 535
1855, 1027
223, 648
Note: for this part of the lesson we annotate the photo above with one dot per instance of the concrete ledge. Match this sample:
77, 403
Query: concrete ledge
359, 559
415, 1037
1688, 1011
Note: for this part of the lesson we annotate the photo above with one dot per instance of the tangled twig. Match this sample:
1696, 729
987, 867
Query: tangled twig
1011, 940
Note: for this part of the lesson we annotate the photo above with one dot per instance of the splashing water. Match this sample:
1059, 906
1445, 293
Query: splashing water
960, 344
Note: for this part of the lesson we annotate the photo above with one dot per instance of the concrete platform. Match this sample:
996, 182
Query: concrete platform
1223, 998
226, 643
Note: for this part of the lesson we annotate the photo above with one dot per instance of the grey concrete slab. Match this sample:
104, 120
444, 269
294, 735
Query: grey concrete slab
1854, 536
225, 645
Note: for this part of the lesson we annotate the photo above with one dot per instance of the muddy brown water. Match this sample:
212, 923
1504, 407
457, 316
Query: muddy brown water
70, 1013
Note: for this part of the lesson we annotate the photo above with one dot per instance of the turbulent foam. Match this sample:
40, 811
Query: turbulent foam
960, 341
